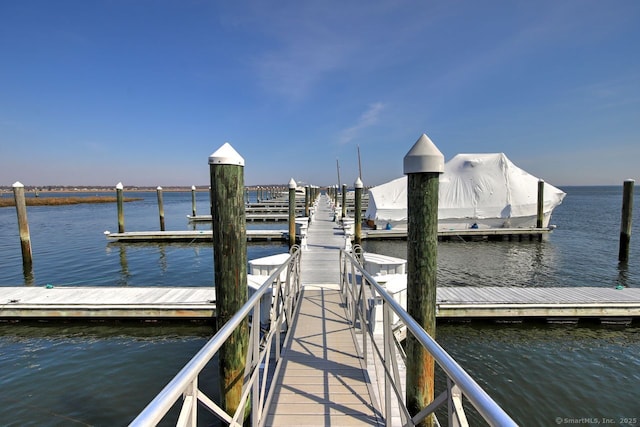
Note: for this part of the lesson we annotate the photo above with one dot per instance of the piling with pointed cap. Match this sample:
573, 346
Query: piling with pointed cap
160, 207
292, 212
626, 220
228, 221
358, 213
120, 203
423, 165
193, 200
23, 227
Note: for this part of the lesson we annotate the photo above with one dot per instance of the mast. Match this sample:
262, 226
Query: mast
359, 164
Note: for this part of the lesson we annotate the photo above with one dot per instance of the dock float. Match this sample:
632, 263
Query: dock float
100, 302
559, 304
255, 217
192, 236
490, 234
453, 303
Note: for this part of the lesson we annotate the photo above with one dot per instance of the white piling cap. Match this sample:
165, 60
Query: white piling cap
424, 156
226, 155
159, 188
119, 186
193, 187
17, 184
358, 183
292, 183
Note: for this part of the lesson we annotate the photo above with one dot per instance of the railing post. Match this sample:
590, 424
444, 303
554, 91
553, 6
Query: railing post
358, 213
160, 207
23, 228
387, 338
119, 201
230, 268
627, 216
423, 165
292, 213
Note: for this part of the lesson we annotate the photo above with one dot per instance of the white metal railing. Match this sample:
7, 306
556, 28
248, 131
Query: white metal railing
261, 344
360, 301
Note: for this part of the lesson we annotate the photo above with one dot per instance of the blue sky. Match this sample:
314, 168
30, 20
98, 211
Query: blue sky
142, 92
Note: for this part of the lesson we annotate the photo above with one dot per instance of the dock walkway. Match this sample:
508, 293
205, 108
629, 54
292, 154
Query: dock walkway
323, 380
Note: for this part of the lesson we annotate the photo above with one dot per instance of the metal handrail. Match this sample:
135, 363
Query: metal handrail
460, 382
185, 383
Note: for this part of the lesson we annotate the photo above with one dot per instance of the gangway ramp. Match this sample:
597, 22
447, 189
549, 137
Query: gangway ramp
324, 379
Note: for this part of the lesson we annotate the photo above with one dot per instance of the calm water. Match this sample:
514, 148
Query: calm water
103, 375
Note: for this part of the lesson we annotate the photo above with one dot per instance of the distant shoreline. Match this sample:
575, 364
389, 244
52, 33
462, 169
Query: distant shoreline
103, 189
61, 201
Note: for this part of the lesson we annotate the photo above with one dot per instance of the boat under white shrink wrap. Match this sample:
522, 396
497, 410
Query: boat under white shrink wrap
475, 191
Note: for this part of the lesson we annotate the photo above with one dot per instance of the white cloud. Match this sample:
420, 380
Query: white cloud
367, 119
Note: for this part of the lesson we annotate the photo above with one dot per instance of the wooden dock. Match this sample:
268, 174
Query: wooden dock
193, 236
97, 302
255, 217
324, 380
605, 304
198, 303
491, 234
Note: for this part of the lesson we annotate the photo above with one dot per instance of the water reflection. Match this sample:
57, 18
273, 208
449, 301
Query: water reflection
175, 259
124, 266
623, 274
486, 263
29, 277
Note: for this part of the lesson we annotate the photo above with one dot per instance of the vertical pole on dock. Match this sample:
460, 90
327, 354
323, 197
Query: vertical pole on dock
230, 267
307, 200
423, 165
292, 212
23, 227
160, 207
358, 214
193, 200
344, 200
627, 216
119, 201
540, 216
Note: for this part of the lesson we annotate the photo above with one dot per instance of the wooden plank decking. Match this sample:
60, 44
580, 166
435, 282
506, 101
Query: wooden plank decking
93, 302
324, 380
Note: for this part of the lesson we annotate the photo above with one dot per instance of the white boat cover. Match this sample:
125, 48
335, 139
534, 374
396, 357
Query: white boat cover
475, 190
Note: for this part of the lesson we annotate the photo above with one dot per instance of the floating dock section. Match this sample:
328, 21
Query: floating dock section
471, 234
193, 236
453, 303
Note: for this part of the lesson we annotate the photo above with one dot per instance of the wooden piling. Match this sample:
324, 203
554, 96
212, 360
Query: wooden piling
625, 224
23, 227
540, 215
344, 200
120, 203
423, 164
307, 200
160, 207
358, 213
292, 212
193, 200
230, 267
